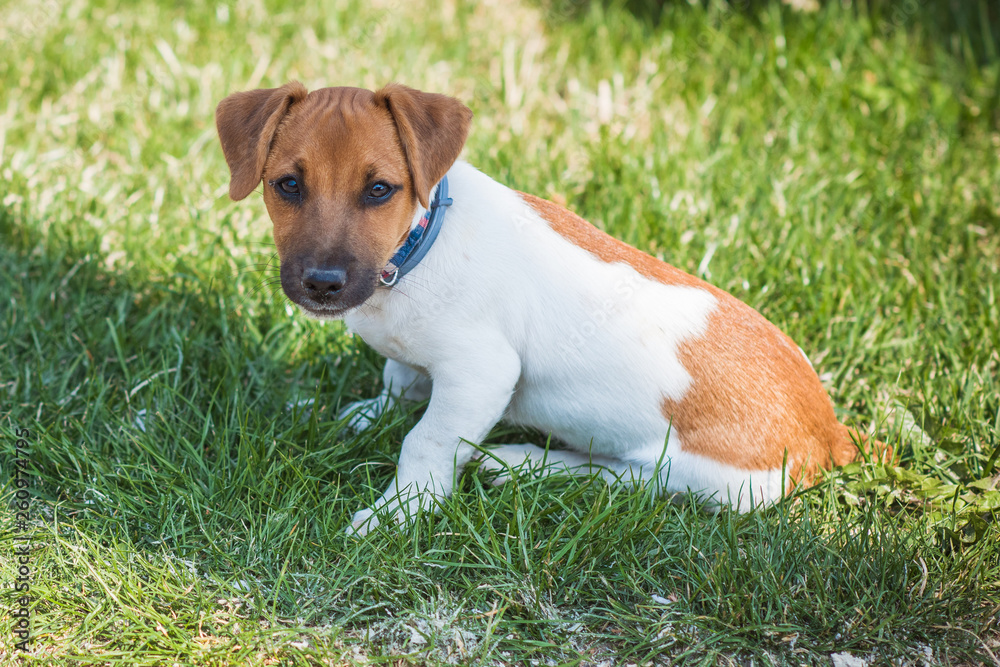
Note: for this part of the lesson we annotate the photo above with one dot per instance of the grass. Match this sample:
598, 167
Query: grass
838, 172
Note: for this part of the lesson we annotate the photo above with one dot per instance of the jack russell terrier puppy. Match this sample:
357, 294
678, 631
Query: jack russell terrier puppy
496, 304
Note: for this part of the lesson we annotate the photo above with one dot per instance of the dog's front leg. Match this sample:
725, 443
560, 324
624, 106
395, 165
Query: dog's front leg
400, 383
470, 393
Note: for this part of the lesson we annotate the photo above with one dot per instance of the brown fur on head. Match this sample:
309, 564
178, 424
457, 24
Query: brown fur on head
343, 171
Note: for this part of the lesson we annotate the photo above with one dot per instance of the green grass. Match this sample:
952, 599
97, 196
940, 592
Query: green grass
840, 176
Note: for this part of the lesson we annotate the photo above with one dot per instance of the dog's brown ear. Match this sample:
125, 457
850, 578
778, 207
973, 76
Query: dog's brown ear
432, 129
247, 123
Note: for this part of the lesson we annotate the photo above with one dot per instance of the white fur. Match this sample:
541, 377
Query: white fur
510, 320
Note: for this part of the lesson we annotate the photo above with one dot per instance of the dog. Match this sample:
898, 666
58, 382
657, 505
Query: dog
496, 304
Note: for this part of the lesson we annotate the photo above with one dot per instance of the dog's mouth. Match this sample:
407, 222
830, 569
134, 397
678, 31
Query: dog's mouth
327, 294
325, 313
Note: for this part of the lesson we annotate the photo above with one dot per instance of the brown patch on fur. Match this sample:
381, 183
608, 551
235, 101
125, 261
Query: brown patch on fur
432, 130
754, 400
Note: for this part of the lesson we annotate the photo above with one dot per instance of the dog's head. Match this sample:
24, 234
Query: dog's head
343, 172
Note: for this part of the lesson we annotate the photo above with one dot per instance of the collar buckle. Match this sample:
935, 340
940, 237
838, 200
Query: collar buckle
420, 238
389, 278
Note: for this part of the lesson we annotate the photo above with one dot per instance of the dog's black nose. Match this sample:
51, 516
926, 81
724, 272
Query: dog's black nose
323, 283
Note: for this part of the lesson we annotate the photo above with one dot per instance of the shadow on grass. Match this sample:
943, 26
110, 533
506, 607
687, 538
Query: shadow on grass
161, 405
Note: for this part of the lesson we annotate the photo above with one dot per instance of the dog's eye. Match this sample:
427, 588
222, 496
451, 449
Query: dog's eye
380, 191
289, 186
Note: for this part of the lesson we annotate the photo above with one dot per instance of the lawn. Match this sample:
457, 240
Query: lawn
837, 169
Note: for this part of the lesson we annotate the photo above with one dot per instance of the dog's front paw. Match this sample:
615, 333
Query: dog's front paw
393, 508
363, 522
362, 414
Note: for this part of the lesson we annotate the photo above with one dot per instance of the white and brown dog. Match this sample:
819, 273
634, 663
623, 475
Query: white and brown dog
500, 305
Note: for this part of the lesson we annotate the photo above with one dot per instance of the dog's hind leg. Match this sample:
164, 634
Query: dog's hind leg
502, 458
400, 382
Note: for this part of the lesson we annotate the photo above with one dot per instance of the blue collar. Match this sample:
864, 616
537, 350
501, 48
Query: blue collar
420, 240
